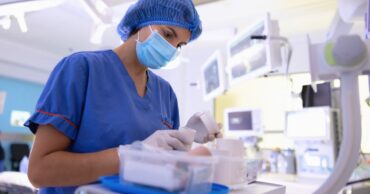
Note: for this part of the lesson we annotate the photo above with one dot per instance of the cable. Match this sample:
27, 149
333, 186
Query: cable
358, 181
258, 37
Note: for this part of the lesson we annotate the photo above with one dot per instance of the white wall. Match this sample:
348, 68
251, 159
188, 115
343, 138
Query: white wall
186, 79
24, 62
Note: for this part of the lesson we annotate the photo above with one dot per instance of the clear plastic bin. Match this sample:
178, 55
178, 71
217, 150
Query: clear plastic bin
169, 170
236, 172
231, 171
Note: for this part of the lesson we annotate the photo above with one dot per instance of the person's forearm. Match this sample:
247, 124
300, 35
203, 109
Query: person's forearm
63, 168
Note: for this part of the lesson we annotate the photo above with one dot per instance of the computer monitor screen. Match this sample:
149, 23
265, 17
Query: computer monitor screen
242, 122
213, 77
322, 97
309, 123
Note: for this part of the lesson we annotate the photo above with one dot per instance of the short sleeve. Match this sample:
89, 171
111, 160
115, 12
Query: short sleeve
61, 102
174, 109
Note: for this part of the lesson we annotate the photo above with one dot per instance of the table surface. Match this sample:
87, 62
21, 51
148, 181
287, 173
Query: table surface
293, 183
255, 188
267, 183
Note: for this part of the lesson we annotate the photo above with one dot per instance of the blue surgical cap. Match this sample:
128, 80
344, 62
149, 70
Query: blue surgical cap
179, 13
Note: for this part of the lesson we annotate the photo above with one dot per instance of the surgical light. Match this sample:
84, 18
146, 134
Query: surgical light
18, 9
21, 21
102, 17
101, 6
98, 32
5, 22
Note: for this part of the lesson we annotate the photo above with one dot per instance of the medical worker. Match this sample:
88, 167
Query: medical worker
96, 101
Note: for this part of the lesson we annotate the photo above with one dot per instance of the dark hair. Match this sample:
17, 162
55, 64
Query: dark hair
133, 32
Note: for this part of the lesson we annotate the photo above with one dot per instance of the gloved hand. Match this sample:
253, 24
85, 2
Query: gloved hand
205, 126
169, 140
215, 135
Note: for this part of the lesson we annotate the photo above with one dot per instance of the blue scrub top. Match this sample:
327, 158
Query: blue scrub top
91, 99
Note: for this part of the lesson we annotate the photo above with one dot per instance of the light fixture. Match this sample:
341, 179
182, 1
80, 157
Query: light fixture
98, 32
101, 16
101, 6
5, 22
18, 9
21, 21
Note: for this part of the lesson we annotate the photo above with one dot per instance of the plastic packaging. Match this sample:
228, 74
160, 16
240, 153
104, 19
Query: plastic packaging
231, 171
236, 172
232, 167
168, 170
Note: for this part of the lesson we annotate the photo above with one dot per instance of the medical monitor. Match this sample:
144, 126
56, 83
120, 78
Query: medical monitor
322, 97
213, 82
242, 122
315, 123
251, 58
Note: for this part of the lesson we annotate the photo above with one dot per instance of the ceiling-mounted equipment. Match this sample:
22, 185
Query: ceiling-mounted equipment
250, 58
101, 11
18, 9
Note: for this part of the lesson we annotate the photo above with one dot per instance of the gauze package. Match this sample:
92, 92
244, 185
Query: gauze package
203, 124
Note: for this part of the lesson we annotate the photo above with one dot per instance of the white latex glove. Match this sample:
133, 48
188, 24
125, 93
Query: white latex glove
216, 135
205, 126
169, 140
